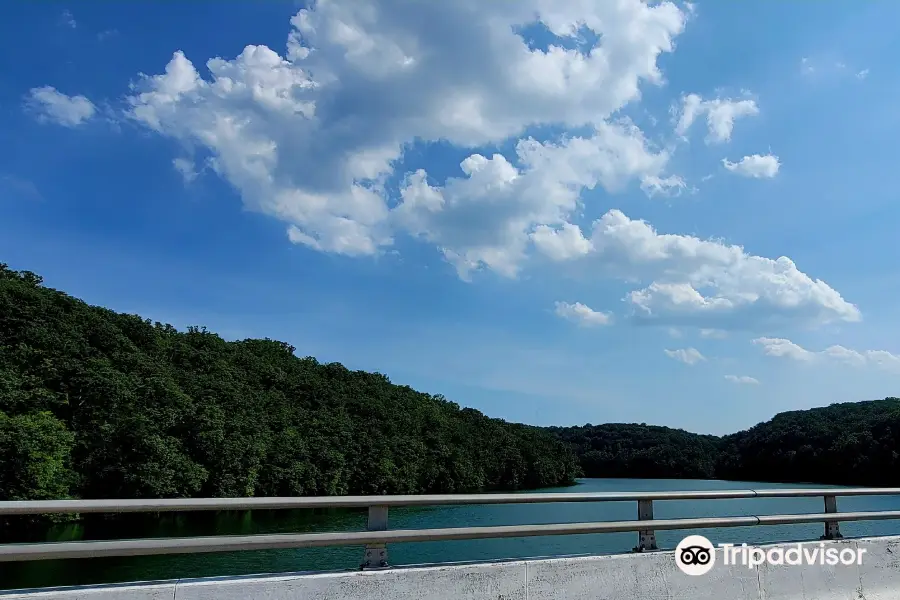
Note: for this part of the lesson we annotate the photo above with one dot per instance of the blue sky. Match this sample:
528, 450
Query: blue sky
558, 219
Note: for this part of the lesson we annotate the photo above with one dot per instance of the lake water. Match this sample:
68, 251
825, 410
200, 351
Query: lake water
105, 570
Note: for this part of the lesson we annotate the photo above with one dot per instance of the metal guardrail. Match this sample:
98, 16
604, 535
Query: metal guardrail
377, 536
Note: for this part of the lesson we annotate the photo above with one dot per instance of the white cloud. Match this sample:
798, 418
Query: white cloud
756, 166
742, 379
862, 74
186, 168
513, 205
689, 356
583, 315
783, 348
704, 283
311, 137
49, 104
721, 113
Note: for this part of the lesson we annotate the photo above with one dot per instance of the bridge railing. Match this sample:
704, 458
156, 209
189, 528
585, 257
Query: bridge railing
377, 535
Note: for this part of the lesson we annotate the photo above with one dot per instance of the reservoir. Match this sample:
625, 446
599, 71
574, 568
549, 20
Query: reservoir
107, 570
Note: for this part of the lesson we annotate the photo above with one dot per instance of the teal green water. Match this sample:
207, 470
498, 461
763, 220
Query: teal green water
106, 570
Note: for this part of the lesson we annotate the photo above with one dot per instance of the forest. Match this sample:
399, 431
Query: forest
853, 443
98, 404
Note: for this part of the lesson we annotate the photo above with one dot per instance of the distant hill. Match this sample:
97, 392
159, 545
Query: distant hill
854, 443
98, 404
644, 451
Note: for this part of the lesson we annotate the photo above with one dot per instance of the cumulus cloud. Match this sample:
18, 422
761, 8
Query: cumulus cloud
705, 283
311, 137
689, 356
581, 314
513, 205
756, 166
48, 104
316, 136
720, 113
782, 348
742, 379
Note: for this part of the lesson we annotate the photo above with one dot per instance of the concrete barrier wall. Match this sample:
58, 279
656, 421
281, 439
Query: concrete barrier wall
648, 576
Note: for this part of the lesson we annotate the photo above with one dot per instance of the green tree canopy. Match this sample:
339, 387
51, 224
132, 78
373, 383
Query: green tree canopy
98, 404
854, 443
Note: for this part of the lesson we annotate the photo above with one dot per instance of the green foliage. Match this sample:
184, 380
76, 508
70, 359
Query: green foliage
34, 457
97, 404
641, 451
849, 444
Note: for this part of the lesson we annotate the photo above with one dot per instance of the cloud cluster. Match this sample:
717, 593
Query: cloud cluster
48, 104
783, 348
293, 134
317, 136
313, 136
694, 281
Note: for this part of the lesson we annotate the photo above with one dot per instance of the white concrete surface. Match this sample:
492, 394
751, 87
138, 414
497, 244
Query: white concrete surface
649, 576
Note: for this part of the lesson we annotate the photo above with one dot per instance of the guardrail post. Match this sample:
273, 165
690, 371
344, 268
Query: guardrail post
832, 528
376, 554
646, 537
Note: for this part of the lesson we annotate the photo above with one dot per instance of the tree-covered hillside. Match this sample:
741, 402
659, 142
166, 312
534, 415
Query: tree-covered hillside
854, 443
98, 404
645, 451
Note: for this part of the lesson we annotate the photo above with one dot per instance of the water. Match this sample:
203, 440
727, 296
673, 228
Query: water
107, 570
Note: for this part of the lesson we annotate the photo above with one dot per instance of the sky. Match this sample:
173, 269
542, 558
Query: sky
557, 212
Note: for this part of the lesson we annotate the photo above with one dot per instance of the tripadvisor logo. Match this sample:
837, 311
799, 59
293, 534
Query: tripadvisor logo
696, 555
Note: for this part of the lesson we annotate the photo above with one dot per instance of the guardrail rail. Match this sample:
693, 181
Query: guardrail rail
377, 535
